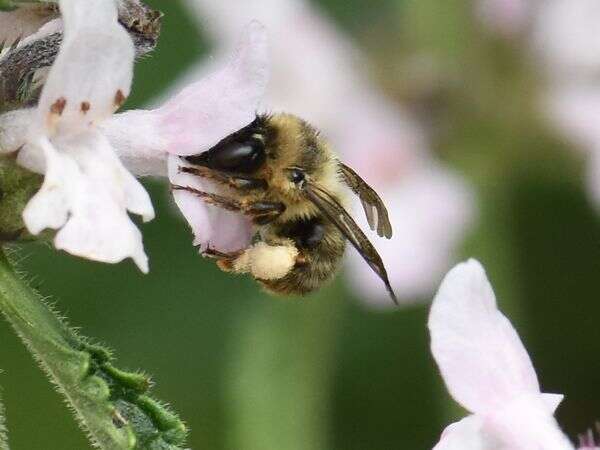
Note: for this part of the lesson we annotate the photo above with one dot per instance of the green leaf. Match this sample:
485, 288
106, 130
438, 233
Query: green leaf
112, 405
17, 186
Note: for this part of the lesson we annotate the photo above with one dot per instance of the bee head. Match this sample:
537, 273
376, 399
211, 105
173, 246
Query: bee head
296, 153
281, 149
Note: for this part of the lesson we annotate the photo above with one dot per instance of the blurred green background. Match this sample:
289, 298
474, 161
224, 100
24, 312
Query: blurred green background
248, 371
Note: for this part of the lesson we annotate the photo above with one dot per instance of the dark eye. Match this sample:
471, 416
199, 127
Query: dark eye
235, 157
296, 176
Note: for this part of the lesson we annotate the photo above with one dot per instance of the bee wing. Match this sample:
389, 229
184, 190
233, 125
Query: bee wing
371, 202
336, 213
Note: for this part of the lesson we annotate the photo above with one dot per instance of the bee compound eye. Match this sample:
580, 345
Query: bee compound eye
297, 176
244, 158
236, 157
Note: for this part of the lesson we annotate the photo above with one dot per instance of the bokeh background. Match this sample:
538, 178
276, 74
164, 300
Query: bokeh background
249, 371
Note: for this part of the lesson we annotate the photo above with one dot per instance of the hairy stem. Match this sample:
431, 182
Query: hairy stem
3, 436
110, 404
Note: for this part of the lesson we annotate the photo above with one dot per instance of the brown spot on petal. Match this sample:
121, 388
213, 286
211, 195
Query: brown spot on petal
58, 106
119, 98
85, 107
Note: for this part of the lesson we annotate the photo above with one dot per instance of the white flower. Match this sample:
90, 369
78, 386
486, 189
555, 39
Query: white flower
149, 143
318, 74
86, 191
488, 371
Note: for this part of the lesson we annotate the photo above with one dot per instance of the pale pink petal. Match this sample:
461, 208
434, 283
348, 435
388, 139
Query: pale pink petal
429, 210
566, 37
195, 119
86, 193
467, 434
574, 108
49, 207
552, 401
92, 73
207, 111
314, 66
212, 227
504, 17
479, 353
13, 129
136, 138
525, 423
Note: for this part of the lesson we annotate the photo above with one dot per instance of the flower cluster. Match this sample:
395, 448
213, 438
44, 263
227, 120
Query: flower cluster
74, 128
89, 155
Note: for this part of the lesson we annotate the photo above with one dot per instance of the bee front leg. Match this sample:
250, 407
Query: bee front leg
241, 183
261, 212
227, 262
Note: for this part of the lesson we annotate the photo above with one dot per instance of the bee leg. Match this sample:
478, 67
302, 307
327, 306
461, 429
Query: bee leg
225, 261
236, 182
216, 254
265, 212
261, 212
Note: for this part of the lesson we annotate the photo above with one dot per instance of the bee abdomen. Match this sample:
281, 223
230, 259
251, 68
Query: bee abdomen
321, 246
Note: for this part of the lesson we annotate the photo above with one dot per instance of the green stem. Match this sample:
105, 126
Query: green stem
3, 436
280, 380
110, 404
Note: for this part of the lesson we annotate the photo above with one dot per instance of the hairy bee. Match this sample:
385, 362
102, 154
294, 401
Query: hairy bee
278, 171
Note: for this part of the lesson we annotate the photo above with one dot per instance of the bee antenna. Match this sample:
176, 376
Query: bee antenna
391, 292
388, 287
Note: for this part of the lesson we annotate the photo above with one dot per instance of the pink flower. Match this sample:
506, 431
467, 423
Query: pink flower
191, 122
488, 371
318, 74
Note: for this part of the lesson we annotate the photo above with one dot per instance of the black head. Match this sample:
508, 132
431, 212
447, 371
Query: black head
241, 152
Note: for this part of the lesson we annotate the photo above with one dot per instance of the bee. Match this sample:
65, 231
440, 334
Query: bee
280, 172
